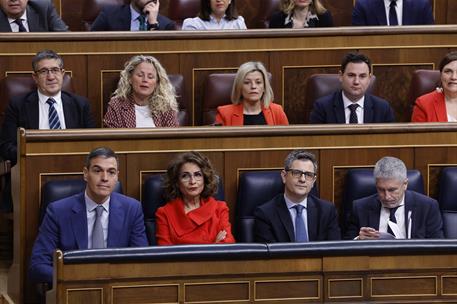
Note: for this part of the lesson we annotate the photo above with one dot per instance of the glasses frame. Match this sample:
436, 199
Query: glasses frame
45, 72
187, 176
295, 173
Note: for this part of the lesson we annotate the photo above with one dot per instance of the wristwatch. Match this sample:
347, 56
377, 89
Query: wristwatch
153, 26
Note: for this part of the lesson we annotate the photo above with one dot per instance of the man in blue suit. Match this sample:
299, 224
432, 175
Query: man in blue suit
394, 212
392, 12
352, 104
296, 216
95, 218
139, 15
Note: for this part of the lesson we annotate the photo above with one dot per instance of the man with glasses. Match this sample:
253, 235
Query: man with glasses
297, 216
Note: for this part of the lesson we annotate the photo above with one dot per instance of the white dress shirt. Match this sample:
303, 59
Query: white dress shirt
91, 216
293, 211
15, 26
44, 110
398, 8
399, 216
199, 24
359, 111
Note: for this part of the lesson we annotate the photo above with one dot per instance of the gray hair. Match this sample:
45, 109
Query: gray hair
300, 155
46, 54
391, 168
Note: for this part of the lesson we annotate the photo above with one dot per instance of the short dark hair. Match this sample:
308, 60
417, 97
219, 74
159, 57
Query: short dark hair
46, 54
300, 155
448, 58
104, 152
171, 182
355, 58
205, 10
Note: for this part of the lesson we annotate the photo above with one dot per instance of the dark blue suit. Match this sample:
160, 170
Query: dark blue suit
330, 110
373, 12
274, 224
425, 216
65, 227
118, 18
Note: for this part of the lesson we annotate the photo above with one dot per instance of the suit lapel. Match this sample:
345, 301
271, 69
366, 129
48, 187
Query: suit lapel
410, 207
79, 222
368, 110
338, 106
407, 12
32, 110
440, 108
125, 17
4, 24
237, 115
115, 223
313, 219
268, 115
69, 112
33, 20
380, 10
284, 217
374, 214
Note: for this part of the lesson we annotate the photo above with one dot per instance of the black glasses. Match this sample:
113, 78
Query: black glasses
309, 176
45, 71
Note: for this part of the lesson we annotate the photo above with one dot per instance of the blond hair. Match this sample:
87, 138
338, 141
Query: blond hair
316, 7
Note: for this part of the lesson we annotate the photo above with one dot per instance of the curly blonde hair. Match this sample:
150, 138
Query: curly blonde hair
316, 6
163, 98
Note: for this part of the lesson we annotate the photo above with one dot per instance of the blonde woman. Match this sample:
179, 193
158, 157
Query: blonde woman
144, 97
300, 14
252, 100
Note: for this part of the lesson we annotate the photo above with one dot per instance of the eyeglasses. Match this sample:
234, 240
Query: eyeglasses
309, 176
186, 176
45, 71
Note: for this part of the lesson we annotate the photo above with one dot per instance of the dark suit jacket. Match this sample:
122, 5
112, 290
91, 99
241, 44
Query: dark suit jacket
274, 224
278, 18
41, 17
22, 112
330, 109
372, 12
425, 216
118, 18
65, 227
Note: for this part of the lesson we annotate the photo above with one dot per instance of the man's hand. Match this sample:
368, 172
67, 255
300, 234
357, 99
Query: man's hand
368, 233
151, 9
221, 236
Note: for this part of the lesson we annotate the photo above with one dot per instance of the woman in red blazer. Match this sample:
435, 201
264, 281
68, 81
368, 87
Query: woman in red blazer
252, 98
441, 104
192, 216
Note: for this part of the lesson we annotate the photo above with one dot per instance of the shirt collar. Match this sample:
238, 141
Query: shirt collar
347, 102
43, 98
23, 17
133, 13
91, 205
291, 204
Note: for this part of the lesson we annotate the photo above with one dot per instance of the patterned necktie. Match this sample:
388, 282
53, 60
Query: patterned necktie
54, 122
393, 13
97, 232
392, 219
142, 21
301, 234
353, 115
20, 25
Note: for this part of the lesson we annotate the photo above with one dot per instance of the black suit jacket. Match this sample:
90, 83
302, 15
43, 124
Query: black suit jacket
425, 216
274, 224
373, 12
118, 18
41, 17
330, 109
23, 112
278, 18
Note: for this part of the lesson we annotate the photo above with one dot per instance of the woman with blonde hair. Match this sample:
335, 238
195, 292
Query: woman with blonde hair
300, 14
144, 97
252, 100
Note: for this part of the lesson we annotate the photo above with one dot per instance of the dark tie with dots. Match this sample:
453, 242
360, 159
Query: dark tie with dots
393, 13
20, 25
97, 233
54, 122
142, 21
392, 219
301, 234
353, 115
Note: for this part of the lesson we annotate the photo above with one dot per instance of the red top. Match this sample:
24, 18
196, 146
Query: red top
199, 226
430, 107
232, 115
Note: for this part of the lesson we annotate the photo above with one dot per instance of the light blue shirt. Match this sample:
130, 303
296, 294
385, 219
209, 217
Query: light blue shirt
134, 22
91, 215
200, 25
293, 211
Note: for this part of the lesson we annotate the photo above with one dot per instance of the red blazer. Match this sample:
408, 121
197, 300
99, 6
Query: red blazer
199, 226
430, 107
232, 115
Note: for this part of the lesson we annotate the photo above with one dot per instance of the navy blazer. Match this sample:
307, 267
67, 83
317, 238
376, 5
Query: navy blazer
118, 18
23, 112
373, 12
274, 224
64, 227
41, 17
425, 216
278, 18
330, 110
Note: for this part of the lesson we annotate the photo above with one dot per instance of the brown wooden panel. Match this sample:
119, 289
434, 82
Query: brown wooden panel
345, 288
216, 292
403, 286
84, 296
288, 289
341, 11
145, 294
449, 285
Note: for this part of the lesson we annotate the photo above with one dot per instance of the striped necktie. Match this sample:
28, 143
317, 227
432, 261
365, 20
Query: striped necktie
21, 26
54, 122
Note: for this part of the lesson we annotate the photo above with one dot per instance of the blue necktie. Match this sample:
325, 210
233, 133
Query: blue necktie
20, 25
353, 115
301, 234
142, 21
393, 13
54, 122
98, 240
